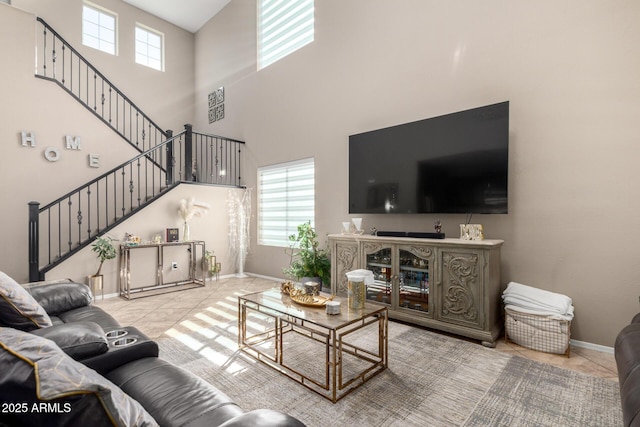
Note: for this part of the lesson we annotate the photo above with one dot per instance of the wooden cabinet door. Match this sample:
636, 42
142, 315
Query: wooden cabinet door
460, 300
344, 258
416, 270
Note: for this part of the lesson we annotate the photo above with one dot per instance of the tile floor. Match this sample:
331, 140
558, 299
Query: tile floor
154, 315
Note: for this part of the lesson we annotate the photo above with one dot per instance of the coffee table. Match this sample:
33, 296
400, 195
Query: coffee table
331, 355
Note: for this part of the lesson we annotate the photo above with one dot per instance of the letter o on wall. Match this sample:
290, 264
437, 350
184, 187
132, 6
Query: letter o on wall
52, 154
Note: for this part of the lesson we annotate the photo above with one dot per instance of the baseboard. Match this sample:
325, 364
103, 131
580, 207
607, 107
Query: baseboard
591, 346
260, 276
107, 296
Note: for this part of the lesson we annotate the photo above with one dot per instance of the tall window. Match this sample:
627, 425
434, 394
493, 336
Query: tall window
286, 194
99, 28
149, 47
284, 26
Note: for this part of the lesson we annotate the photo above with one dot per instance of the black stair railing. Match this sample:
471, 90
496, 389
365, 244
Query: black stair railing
73, 221
216, 160
59, 62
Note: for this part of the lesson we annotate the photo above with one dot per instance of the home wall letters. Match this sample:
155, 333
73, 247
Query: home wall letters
53, 154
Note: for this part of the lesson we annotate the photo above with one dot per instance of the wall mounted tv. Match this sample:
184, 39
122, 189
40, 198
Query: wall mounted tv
455, 163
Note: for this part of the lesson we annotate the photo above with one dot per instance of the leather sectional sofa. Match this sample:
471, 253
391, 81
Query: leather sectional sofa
627, 353
66, 362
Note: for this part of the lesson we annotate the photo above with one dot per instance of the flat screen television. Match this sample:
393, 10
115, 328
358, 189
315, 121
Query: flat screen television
455, 163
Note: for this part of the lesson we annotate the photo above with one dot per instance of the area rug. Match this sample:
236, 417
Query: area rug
432, 380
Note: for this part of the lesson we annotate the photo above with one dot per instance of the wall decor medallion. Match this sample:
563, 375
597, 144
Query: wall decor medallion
216, 105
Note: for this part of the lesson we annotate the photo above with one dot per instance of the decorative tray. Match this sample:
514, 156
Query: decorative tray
310, 300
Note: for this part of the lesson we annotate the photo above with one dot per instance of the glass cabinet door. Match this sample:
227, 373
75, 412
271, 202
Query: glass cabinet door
379, 262
413, 278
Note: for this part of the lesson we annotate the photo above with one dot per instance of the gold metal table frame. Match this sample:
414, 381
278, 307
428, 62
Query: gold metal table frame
335, 332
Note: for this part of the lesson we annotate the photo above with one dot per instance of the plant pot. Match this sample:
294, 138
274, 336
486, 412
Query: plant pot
96, 284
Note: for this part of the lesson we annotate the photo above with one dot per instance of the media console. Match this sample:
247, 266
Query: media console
451, 285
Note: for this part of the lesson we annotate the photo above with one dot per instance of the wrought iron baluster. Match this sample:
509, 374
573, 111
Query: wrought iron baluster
139, 185
53, 56
123, 192
63, 70
89, 211
131, 188
69, 241
98, 206
102, 99
238, 170
95, 91
115, 197
79, 218
44, 52
60, 229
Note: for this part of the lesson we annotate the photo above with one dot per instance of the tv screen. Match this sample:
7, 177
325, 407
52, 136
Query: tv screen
455, 163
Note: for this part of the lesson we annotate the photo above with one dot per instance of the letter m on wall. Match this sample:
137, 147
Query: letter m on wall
73, 142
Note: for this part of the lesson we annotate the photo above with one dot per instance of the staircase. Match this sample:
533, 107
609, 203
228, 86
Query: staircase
71, 222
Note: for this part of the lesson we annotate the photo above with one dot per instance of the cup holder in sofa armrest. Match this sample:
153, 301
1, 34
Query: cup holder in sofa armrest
126, 344
118, 333
123, 342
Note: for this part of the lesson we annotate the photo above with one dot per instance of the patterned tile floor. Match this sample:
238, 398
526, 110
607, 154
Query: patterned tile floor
154, 315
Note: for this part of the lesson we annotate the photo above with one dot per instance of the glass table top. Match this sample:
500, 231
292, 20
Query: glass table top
274, 300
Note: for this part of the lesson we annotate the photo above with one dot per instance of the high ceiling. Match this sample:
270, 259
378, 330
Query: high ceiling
187, 14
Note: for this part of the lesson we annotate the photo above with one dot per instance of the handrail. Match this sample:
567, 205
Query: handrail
121, 114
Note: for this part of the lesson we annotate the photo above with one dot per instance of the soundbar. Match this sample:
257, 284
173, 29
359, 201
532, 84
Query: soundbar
414, 234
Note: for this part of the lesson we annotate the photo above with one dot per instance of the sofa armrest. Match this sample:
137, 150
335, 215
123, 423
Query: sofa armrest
263, 418
58, 297
79, 340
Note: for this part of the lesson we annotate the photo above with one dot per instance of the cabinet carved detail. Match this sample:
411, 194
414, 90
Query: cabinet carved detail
462, 277
420, 251
345, 257
371, 247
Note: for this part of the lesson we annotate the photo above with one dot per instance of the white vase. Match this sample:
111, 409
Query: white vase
186, 232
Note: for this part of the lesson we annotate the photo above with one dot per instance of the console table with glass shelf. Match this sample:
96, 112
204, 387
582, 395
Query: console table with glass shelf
451, 285
196, 270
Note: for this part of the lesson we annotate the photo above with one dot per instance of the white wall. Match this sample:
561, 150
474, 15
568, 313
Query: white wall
569, 69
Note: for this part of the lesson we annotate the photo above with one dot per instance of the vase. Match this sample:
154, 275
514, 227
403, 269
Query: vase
185, 232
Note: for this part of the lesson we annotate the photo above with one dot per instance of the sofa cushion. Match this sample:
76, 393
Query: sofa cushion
52, 389
90, 313
18, 309
79, 340
173, 396
61, 296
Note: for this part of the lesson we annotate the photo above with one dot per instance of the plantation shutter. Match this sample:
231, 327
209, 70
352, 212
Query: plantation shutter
286, 194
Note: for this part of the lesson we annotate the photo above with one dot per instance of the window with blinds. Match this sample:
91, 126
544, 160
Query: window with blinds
284, 26
286, 199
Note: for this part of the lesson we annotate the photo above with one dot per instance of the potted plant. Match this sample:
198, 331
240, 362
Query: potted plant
308, 261
104, 249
